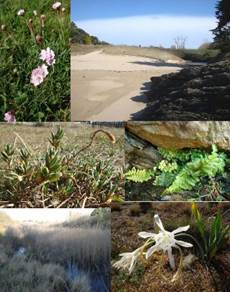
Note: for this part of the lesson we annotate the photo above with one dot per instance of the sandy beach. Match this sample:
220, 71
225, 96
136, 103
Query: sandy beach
111, 87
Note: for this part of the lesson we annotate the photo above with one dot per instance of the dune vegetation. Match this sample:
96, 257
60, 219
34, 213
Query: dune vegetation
76, 166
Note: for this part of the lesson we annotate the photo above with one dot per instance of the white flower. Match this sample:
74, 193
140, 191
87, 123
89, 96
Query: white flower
128, 260
165, 240
56, 5
35, 13
21, 12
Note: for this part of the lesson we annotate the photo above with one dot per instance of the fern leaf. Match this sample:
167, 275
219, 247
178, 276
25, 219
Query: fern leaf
139, 175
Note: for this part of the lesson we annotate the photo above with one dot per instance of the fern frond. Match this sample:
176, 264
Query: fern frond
193, 171
139, 175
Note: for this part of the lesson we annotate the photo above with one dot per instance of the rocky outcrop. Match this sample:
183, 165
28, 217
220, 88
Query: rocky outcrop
179, 135
194, 93
139, 153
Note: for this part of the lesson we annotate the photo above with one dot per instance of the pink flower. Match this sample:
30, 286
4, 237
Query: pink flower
56, 5
48, 56
9, 117
38, 75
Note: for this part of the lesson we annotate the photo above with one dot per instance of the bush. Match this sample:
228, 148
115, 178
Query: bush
20, 275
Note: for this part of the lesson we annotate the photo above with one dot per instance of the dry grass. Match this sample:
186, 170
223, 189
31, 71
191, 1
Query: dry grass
63, 243
154, 53
50, 252
35, 135
77, 49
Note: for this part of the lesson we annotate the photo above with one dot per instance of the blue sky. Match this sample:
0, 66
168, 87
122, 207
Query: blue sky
146, 22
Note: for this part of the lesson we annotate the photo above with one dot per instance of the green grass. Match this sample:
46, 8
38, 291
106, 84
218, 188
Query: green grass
19, 55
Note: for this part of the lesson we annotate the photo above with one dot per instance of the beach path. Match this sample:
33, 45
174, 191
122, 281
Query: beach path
108, 87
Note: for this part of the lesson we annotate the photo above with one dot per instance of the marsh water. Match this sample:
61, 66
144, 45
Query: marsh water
99, 282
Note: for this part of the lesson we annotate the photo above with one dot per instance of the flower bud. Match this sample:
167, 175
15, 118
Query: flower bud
21, 12
30, 26
39, 39
42, 20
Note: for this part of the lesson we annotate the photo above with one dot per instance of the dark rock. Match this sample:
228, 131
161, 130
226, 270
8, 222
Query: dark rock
139, 153
194, 93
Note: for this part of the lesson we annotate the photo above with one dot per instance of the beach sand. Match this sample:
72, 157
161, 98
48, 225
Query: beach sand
111, 87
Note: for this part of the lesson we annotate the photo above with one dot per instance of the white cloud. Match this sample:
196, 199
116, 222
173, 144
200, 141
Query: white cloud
151, 30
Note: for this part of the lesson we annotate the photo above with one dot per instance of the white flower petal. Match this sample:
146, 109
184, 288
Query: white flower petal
158, 222
181, 229
183, 243
171, 258
132, 265
151, 250
124, 254
146, 234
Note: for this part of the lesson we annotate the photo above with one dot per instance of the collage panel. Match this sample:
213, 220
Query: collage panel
61, 165
123, 68
170, 246
35, 61
177, 161
114, 146
54, 250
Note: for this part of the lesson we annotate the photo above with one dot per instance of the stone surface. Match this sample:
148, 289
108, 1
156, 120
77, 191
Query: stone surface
180, 135
195, 93
139, 153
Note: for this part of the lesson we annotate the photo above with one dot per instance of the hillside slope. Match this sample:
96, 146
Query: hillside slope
80, 36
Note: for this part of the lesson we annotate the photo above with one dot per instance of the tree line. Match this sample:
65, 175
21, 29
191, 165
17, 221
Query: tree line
80, 36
